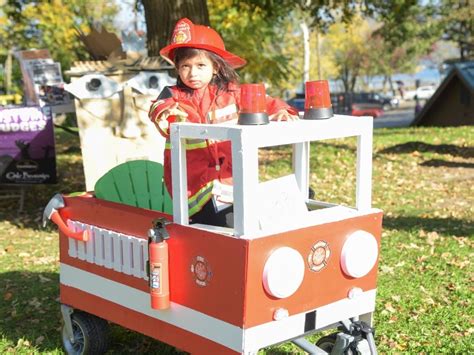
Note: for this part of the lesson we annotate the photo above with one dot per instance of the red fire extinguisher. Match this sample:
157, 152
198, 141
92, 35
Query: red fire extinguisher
158, 264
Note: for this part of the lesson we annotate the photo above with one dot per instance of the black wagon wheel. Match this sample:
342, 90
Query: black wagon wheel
327, 343
91, 335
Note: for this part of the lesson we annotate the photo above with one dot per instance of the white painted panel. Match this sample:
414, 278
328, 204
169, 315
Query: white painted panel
90, 250
116, 237
81, 246
280, 133
245, 175
179, 175
126, 254
346, 308
144, 257
99, 246
301, 166
72, 242
107, 249
291, 327
123, 253
364, 171
136, 257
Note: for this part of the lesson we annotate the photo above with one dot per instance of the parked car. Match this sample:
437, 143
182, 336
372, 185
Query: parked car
366, 110
422, 93
389, 102
386, 102
297, 102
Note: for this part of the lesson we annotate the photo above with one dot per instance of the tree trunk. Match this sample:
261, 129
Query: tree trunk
318, 55
162, 15
306, 51
7, 83
392, 88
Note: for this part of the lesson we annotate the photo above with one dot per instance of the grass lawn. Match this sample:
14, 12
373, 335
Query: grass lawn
423, 180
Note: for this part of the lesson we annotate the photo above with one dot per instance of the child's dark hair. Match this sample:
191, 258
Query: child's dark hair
225, 73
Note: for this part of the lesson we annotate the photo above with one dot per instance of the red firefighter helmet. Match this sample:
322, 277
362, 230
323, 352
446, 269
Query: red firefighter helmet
187, 34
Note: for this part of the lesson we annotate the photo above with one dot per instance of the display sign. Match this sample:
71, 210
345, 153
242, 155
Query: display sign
45, 71
27, 153
43, 80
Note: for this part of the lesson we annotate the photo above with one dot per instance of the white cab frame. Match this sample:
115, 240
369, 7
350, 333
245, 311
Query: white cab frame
246, 140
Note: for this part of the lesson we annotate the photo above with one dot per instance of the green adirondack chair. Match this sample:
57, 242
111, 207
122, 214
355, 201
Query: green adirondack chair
136, 183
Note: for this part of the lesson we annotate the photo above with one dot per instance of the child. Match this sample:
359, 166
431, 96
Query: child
207, 91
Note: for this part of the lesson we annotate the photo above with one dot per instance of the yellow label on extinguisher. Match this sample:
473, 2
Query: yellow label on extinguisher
156, 277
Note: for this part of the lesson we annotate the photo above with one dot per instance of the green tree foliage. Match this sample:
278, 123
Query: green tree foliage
314, 15
457, 24
405, 31
408, 30
51, 25
346, 47
320, 14
248, 33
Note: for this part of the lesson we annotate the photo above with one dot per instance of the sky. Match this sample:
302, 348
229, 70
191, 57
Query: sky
125, 18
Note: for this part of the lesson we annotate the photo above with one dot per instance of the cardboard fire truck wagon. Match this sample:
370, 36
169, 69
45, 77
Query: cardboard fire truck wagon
290, 266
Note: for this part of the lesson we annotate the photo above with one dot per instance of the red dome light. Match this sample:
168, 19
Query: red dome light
253, 104
317, 100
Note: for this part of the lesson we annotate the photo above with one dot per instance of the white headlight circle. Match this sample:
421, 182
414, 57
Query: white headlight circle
283, 272
359, 254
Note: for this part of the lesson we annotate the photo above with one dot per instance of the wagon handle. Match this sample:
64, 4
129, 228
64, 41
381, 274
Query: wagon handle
51, 213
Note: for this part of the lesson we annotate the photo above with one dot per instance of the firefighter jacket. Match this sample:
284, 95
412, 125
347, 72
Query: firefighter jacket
207, 160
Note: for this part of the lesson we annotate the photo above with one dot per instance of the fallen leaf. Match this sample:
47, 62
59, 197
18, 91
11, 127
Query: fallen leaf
430, 301
386, 269
22, 342
388, 306
46, 260
431, 238
393, 319
43, 279
421, 258
446, 255
396, 298
35, 303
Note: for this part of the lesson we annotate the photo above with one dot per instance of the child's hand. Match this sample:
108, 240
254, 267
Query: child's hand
176, 111
177, 114
283, 115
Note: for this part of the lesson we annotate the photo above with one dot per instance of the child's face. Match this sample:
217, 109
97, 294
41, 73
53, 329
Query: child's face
196, 72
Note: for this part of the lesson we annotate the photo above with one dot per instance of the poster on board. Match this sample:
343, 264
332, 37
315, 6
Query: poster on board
43, 81
27, 152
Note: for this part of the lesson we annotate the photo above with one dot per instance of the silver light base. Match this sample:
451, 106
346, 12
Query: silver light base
318, 113
253, 118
